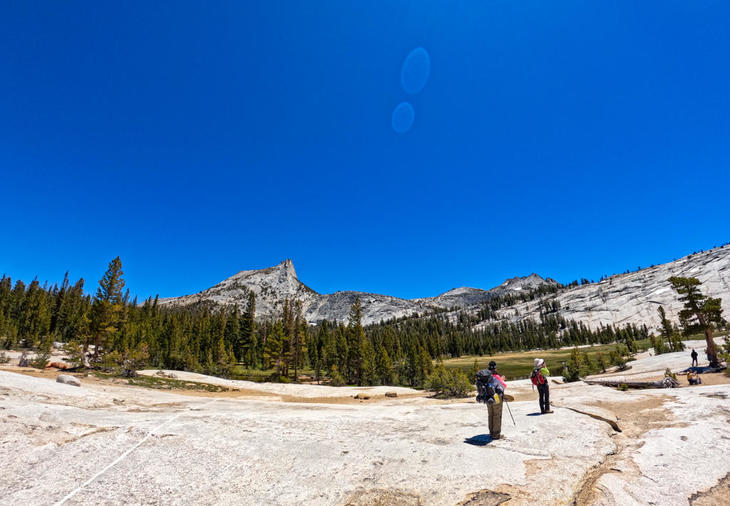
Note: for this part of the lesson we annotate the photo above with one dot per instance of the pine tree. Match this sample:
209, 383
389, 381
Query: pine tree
273, 348
411, 365
107, 309
667, 329
316, 349
341, 348
233, 333
573, 369
356, 335
35, 316
248, 344
289, 322
369, 365
674, 343
425, 366
587, 364
699, 313
299, 338
383, 366
474, 370
224, 358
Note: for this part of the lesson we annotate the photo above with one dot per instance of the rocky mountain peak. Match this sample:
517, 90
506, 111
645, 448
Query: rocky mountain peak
532, 278
281, 271
286, 269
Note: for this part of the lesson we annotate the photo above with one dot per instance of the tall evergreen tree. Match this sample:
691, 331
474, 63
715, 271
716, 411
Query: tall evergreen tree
107, 309
299, 338
289, 322
668, 333
369, 374
667, 329
356, 335
248, 344
273, 347
383, 366
699, 313
233, 333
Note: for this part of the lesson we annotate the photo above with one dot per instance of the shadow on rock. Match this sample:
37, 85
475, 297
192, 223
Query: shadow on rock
485, 498
480, 440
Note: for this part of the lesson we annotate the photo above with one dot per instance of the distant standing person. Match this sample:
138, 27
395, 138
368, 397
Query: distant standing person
694, 358
539, 378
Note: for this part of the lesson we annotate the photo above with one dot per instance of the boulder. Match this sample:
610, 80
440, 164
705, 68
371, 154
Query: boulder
361, 396
391, 394
24, 360
68, 380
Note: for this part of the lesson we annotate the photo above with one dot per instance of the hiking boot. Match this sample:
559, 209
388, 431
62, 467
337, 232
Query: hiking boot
548, 412
495, 437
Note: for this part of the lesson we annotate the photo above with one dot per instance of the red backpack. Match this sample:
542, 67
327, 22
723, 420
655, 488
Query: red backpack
537, 377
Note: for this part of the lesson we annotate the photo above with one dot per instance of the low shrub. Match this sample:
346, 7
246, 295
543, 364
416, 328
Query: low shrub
449, 383
40, 361
74, 351
336, 379
572, 370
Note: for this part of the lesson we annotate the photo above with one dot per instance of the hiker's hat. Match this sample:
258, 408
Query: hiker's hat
539, 362
492, 365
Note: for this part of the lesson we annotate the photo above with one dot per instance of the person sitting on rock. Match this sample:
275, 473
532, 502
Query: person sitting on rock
694, 378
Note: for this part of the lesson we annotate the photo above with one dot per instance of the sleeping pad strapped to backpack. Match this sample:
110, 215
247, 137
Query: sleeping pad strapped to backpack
485, 388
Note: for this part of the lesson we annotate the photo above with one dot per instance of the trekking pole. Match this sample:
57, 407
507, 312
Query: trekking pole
510, 413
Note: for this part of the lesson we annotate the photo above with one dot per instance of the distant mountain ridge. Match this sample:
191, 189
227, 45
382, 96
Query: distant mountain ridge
634, 297
274, 285
631, 298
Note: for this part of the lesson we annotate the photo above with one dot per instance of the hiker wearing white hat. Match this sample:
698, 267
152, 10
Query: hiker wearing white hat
539, 378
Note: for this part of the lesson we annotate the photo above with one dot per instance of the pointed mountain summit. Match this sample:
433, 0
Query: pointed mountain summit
274, 285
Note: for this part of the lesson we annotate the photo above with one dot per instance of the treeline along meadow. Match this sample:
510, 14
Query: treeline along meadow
108, 327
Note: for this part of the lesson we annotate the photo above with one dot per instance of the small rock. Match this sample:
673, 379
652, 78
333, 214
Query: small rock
362, 396
68, 380
391, 394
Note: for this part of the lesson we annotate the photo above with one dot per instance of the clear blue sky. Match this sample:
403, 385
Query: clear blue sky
197, 139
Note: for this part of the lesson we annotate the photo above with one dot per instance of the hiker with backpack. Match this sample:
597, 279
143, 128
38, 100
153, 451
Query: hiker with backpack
490, 391
539, 379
